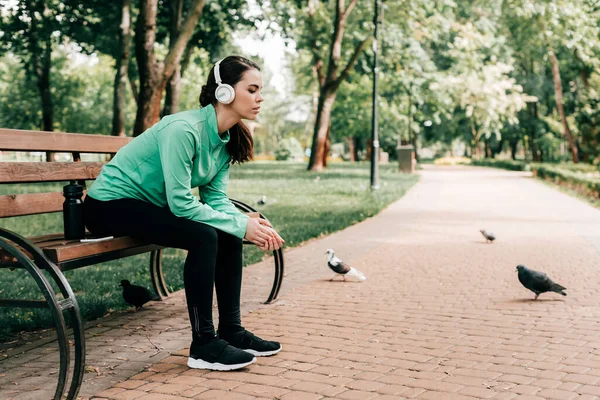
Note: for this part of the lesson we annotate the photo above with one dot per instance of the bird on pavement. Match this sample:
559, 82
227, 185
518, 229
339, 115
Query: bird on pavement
489, 236
538, 282
136, 295
343, 269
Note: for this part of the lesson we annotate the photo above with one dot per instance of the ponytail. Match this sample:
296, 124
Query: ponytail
241, 144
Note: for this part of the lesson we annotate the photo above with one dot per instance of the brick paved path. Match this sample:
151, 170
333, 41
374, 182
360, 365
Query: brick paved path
441, 316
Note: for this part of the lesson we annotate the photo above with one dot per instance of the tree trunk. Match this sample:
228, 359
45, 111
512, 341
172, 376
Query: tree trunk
43, 82
409, 123
42, 64
473, 141
323, 119
352, 148
559, 106
586, 139
148, 68
172, 94
326, 147
535, 153
173, 86
122, 64
155, 74
132, 84
498, 149
513, 149
413, 141
40, 50
584, 74
329, 81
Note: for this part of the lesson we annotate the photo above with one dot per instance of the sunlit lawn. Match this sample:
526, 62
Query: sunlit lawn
300, 204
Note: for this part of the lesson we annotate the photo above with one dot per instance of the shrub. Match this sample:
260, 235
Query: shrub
289, 149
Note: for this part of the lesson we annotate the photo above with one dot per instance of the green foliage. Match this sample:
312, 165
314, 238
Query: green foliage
19, 98
31, 27
82, 90
511, 165
587, 116
289, 149
587, 183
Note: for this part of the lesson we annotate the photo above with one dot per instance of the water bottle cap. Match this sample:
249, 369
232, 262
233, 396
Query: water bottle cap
72, 188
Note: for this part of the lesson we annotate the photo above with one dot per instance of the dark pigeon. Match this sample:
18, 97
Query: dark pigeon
489, 236
538, 282
136, 295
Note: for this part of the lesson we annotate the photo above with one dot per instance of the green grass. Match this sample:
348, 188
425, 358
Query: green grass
300, 207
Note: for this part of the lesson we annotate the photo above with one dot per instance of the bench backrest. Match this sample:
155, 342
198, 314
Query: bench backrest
12, 205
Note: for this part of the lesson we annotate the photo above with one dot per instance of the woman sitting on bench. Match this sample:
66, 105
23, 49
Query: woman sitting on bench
145, 191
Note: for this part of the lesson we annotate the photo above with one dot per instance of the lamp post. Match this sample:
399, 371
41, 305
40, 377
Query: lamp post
374, 136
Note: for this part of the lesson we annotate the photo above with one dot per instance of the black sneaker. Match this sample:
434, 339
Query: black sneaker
252, 344
218, 355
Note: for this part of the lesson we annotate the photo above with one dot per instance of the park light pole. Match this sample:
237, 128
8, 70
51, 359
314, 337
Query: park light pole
374, 135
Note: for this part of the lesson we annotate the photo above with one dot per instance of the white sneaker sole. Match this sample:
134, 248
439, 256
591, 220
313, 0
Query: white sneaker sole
201, 364
263, 353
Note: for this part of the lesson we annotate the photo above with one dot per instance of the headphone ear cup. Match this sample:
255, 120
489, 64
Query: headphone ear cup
225, 93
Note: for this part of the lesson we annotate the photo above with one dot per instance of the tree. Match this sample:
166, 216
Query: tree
334, 52
122, 67
570, 27
154, 74
30, 30
212, 32
81, 93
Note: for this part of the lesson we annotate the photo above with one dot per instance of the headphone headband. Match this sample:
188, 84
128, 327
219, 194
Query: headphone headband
217, 73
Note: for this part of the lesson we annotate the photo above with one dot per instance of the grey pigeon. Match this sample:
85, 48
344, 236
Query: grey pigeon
538, 282
136, 295
262, 200
343, 269
489, 236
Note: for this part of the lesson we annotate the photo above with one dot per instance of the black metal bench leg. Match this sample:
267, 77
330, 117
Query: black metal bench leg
277, 255
156, 274
278, 278
54, 305
71, 305
79, 366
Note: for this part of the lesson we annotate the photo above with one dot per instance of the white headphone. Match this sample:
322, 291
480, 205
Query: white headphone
224, 93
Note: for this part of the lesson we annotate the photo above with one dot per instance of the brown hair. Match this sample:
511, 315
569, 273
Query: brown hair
231, 69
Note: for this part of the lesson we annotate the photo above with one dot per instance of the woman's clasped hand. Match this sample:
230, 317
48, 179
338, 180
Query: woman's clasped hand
261, 233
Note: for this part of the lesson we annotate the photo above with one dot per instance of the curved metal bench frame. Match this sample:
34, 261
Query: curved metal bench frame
277, 255
69, 303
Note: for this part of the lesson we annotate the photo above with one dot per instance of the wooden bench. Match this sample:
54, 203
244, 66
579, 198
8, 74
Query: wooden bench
52, 252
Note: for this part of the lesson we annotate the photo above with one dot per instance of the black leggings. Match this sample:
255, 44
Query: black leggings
214, 257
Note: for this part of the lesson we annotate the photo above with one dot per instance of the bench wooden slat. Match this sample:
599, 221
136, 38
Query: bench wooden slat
49, 237
58, 249
71, 249
20, 140
14, 205
23, 172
